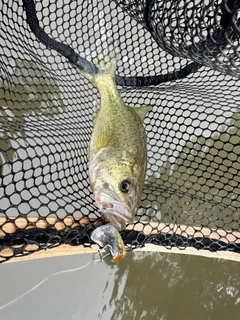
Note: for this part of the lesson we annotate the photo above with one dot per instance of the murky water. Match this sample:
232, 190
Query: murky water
143, 286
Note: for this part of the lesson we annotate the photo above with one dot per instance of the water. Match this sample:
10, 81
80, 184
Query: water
143, 286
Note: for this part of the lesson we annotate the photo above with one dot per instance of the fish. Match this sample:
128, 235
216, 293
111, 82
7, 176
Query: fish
110, 239
117, 154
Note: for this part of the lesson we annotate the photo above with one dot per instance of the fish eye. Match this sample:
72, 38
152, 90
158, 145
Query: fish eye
125, 186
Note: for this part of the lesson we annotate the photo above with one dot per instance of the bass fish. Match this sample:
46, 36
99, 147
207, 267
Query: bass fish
117, 151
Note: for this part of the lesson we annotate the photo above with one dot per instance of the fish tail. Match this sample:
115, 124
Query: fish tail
105, 64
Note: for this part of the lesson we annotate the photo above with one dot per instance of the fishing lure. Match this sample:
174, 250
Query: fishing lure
108, 237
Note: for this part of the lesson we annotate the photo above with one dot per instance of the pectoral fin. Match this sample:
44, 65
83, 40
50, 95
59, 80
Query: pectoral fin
142, 111
103, 140
95, 115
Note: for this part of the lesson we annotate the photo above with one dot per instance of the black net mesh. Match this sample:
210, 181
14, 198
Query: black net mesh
180, 57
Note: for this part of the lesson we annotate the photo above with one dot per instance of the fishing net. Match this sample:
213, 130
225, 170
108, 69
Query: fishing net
180, 57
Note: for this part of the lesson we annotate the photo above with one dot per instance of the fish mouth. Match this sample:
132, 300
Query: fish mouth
113, 210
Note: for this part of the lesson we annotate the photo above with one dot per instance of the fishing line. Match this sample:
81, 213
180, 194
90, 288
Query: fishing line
53, 275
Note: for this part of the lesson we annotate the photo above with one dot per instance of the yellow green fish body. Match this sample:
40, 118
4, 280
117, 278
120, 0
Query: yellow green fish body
117, 152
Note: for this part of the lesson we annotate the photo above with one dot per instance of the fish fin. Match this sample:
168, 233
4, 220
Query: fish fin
95, 115
105, 64
103, 140
106, 71
142, 111
109, 66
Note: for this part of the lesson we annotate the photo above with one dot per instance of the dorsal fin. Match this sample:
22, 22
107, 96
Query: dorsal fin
142, 111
